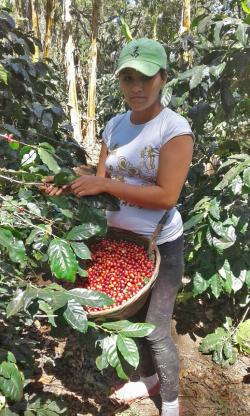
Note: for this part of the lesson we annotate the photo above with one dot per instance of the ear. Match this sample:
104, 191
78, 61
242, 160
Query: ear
164, 77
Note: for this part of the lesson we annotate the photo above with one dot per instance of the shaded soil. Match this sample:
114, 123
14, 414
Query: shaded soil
67, 371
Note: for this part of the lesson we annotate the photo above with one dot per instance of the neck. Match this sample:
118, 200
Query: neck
140, 117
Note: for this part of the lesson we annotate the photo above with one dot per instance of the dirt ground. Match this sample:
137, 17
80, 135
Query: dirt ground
67, 372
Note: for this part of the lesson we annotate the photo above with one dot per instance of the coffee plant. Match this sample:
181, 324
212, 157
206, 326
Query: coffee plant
43, 239
214, 94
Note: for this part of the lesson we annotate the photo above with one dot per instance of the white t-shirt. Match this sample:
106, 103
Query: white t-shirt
133, 158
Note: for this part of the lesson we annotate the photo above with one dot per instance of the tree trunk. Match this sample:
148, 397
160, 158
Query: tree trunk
186, 16
90, 131
185, 27
35, 27
50, 6
71, 73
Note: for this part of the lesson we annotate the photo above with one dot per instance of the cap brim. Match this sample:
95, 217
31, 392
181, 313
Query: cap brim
146, 68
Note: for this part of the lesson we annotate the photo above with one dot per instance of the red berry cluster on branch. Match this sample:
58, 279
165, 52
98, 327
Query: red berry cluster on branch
9, 138
119, 269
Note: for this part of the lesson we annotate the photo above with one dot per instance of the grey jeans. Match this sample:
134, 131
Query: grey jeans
157, 351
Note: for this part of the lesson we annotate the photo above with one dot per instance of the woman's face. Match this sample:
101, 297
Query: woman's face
140, 92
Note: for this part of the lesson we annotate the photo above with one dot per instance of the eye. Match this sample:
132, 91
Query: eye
145, 78
127, 77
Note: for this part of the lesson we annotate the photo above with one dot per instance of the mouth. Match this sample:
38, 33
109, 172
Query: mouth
137, 98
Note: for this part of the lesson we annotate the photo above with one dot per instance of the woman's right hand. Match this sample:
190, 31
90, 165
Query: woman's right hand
50, 189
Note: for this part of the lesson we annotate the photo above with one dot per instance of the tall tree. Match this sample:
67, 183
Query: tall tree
186, 16
70, 70
90, 131
35, 26
50, 6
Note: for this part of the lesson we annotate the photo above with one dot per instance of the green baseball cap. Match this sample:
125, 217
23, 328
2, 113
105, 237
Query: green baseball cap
144, 55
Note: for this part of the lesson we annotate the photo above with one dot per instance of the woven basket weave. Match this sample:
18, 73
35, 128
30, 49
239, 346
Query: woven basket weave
135, 303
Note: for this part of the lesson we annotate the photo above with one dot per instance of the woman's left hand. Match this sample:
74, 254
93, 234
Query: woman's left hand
88, 185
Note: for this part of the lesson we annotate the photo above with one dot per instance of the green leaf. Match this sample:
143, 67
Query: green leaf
14, 145
6, 238
194, 220
166, 95
111, 351
199, 284
246, 177
210, 342
129, 329
221, 244
89, 297
47, 146
120, 372
81, 250
231, 174
64, 178
16, 248
62, 260
45, 307
34, 208
55, 299
228, 349
7, 412
217, 29
101, 362
17, 251
247, 20
201, 72
226, 273
48, 160
102, 201
241, 34
10, 357
16, 304
3, 74
215, 284
228, 233
125, 30
214, 209
11, 383
236, 185
216, 70
76, 316
94, 216
245, 6
242, 336
83, 232
128, 349
36, 233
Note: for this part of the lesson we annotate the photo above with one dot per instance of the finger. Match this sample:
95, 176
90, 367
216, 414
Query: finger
75, 184
48, 179
53, 191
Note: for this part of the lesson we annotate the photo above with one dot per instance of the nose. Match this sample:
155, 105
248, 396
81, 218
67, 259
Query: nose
137, 85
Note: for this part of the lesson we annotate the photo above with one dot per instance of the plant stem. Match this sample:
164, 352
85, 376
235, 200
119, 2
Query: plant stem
20, 182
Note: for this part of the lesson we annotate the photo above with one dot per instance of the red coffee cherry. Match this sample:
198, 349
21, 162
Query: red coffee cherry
118, 268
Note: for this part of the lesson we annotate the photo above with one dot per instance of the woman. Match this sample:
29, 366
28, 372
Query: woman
144, 161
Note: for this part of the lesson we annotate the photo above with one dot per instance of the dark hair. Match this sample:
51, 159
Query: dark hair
163, 73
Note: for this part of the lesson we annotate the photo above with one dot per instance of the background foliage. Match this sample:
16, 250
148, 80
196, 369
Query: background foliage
43, 237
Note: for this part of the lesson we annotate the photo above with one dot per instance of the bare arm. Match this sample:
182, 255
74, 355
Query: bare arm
174, 162
101, 171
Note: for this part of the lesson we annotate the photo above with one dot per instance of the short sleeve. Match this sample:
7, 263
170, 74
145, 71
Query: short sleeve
111, 125
106, 134
174, 125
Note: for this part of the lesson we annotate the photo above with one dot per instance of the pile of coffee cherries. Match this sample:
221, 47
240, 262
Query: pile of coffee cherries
119, 269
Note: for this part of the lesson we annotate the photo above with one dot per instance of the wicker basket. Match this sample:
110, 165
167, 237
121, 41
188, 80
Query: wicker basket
135, 303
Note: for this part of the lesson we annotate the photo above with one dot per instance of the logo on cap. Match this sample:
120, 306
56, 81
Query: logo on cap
135, 52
